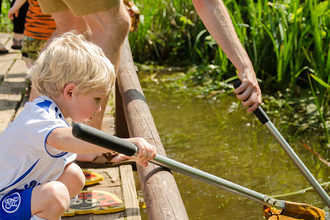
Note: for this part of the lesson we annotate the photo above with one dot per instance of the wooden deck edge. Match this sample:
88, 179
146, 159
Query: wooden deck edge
129, 192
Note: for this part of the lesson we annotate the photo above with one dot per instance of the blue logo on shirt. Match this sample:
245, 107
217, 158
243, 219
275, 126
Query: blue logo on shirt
45, 105
11, 203
32, 184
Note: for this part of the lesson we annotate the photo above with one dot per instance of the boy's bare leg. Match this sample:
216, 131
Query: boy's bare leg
50, 200
73, 178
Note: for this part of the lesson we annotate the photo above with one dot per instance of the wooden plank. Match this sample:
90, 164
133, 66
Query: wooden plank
8, 104
5, 39
6, 61
11, 92
121, 129
112, 184
160, 192
23, 101
129, 191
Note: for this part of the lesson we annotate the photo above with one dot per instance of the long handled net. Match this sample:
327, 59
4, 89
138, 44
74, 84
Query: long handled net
294, 211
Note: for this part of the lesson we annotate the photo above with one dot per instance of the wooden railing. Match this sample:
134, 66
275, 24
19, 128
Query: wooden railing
133, 119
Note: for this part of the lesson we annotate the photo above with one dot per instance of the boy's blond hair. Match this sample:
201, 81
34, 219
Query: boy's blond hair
72, 59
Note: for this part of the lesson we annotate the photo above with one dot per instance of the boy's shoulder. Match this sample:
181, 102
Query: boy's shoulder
42, 108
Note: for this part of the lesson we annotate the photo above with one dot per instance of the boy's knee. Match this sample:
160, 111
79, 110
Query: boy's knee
57, 196
78, 177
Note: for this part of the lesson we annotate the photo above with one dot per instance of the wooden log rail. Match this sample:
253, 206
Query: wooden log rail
133, 119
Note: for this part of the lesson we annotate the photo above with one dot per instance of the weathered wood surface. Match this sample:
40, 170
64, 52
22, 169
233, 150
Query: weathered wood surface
13, 95
160, 192
120, 182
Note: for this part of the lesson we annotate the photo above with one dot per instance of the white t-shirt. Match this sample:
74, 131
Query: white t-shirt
25, 158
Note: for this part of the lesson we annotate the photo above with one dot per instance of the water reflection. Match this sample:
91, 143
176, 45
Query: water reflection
217, 135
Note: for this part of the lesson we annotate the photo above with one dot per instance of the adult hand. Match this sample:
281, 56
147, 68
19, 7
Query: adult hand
249, 91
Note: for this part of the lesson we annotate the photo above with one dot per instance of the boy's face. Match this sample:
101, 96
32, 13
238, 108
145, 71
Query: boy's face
84, 107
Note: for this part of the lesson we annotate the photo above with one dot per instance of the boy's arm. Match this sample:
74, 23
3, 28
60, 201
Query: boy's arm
63, 140
218, 22
14, 10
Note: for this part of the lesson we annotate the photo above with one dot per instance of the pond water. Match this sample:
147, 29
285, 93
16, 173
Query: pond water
218, 136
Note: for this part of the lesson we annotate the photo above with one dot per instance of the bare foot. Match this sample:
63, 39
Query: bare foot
91, 157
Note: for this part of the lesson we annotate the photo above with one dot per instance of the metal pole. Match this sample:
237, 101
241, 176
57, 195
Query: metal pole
103, 139
216, 181
296, 160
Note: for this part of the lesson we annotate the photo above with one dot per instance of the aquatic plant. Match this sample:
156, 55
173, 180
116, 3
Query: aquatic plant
321, 107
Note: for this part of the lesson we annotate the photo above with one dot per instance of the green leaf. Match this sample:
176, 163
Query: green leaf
320, 81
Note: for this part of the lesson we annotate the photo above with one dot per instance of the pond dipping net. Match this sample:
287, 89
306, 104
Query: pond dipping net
294, 211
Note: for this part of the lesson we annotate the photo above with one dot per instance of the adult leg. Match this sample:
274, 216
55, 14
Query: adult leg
109, 30
65, 21
19, 23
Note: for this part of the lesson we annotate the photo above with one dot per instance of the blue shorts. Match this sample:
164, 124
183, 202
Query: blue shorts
16, 205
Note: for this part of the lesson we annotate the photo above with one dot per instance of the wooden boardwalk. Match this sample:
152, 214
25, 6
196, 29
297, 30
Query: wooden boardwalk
14, 94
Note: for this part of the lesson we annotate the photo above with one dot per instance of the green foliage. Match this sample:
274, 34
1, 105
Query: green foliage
5, 23
281, 37
321, 107
166, 33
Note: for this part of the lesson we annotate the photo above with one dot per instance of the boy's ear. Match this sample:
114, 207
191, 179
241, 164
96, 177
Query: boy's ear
69, 90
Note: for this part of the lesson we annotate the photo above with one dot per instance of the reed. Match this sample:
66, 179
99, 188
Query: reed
286, 41
281, 38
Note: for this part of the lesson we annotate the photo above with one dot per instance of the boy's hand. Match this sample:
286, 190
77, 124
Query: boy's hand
146, 151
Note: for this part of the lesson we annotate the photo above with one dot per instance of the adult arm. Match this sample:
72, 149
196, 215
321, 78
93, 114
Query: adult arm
14, 10
63, 140
216, 19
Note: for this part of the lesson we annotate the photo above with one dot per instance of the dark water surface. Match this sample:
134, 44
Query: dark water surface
218, 136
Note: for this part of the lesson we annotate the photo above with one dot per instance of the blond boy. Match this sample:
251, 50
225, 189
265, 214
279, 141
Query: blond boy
38, 177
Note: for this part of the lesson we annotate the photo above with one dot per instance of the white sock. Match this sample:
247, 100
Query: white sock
73, 200
36, 218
